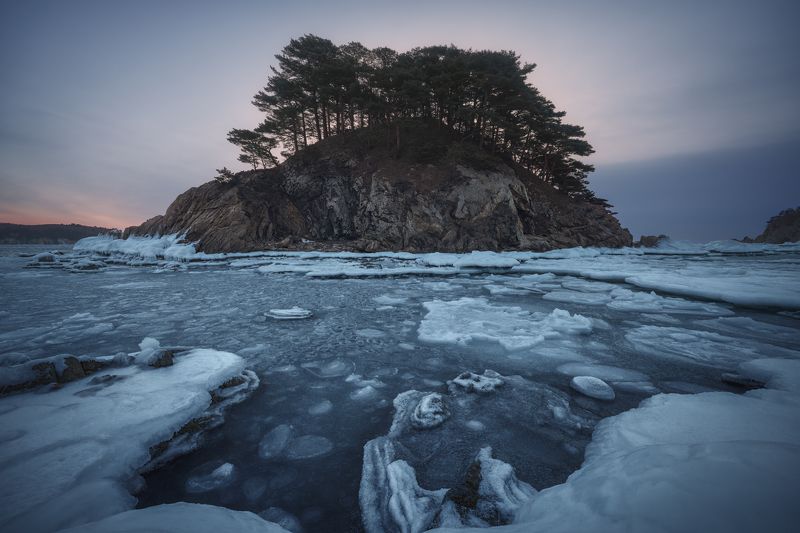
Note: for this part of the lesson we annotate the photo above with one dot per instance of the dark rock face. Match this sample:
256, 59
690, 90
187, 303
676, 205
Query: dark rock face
649, 241
346, 194
784, 227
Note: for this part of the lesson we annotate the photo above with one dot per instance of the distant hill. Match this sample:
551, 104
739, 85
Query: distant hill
783, 227
48, 233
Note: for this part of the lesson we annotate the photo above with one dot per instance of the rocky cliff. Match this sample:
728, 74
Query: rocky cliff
783, 227
355, 192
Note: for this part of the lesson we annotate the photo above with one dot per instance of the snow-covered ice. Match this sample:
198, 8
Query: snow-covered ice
467, 319
419, 328
593, 387
77, 452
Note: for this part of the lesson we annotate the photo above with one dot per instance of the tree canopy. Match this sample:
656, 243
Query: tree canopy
319, 89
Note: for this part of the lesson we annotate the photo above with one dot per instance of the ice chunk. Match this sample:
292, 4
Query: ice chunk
292, 313
592, 387
364, 393
274, 443
390, 497
320, 408
75, 464
701, 347
467, 319
430, 412
285, 519
604, 372
308, 446
329, 368
254, 488
716, 462
204, 481
472, 382
650, 302
388, 299
576, 297
370, 333
500, 492
180, 518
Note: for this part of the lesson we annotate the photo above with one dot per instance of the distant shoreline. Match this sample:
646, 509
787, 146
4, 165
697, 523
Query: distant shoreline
49, 233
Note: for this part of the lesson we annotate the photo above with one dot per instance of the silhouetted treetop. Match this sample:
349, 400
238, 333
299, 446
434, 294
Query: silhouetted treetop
319, 89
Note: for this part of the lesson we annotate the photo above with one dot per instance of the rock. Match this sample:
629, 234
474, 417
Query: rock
44, 257
593, 387
783, 227
472, 382
350, 193
650, 241
93, 365
164, 358
72, 370
431, 411
741, 381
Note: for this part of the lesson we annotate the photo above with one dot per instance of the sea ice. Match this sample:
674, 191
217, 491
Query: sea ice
78, 451
466, 319
325, 406
700, 347
292, 313
274, 442
308, 446
180, 518
472, 382
204, 480
592, 387
430, 412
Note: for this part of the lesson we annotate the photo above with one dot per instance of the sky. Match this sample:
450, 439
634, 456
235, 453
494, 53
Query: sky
108, 110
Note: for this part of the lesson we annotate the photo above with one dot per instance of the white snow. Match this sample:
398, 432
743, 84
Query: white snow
180, 518
468, 319
77, 452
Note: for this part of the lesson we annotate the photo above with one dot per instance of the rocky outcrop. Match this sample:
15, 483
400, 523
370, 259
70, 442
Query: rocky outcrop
783, 227
350, 192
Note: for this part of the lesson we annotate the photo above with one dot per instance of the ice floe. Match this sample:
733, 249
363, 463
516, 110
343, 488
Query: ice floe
702, 347
78, 452
467, 319
292, 313
180, 518
715, 461
488, 492
592, 387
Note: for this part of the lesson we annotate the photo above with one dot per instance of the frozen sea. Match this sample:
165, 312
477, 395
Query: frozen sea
672, 320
